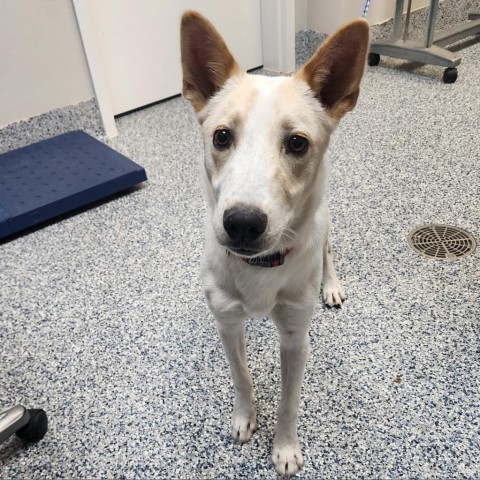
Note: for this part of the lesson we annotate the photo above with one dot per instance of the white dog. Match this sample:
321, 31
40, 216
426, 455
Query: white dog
267, 249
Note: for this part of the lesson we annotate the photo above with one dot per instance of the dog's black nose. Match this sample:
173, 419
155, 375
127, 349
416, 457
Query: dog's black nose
244, 224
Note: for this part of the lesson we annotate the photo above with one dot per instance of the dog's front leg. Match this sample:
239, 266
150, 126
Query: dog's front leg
293, 324
333, 294
244, 418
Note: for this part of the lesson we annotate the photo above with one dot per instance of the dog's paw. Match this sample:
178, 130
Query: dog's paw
333, 294
287, 459
244, 426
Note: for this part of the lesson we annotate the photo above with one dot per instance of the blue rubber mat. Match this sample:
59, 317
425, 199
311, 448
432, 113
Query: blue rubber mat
58, 175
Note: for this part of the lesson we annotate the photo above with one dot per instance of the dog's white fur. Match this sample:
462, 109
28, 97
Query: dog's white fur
258, 170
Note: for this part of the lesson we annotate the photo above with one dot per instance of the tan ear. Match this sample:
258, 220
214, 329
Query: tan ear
336, 69
206, 61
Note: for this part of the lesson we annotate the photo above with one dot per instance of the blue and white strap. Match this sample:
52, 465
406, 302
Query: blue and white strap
365, 8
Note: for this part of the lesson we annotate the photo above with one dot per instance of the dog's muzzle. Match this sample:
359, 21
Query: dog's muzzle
244, 226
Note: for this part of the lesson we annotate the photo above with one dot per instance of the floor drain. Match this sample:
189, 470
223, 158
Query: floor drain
442, 242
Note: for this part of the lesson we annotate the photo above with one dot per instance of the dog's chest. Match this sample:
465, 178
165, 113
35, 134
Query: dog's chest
258, 288
261, 289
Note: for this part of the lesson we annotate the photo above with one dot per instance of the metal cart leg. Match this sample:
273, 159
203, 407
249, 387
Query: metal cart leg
432, 19
30, 425
428, 51
397, 21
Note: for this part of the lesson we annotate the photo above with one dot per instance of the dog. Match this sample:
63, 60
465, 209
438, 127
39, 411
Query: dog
267, 248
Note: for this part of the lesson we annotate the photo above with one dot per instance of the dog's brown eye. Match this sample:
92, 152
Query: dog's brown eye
297, 144
222, 138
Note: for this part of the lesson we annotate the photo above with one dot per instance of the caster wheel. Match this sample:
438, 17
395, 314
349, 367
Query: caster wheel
373, 59
36, 428
450, 75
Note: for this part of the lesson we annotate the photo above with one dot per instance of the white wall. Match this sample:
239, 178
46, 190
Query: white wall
382, 10
326, 16
42, 63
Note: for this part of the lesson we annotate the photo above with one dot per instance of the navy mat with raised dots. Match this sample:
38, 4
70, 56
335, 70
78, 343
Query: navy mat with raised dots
58, 175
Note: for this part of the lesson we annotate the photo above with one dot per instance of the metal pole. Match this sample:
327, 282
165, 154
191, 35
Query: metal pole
432, 18
407, 21
397, 21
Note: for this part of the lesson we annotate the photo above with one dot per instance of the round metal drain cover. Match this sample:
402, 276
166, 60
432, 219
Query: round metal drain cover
442, 242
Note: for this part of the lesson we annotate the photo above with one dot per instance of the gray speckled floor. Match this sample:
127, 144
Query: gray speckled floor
104, 325
84, 116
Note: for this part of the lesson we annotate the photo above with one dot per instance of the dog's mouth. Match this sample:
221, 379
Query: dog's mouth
262, 260
245, 252
252, 250
254, 253
244, 246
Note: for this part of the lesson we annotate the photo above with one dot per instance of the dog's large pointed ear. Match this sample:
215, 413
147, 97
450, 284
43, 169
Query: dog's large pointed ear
336, 69
206, 61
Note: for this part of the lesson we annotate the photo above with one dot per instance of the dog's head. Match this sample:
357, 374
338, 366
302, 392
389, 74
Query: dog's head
265, 137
